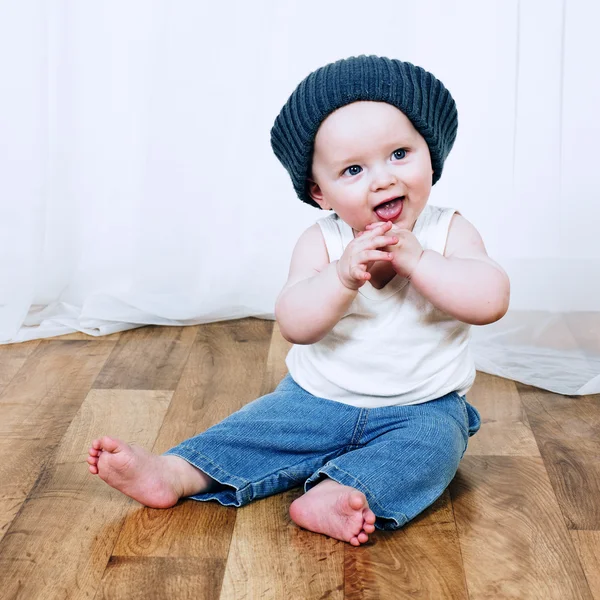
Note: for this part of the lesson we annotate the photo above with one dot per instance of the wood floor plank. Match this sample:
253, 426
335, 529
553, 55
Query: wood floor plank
272, 558
512, 535
61, 540
192, 529
12, 358
224, 372
587, 544
284, 560
276, 368
421, 560
510, 531
161, 578
504, 429
150, 358
568, 434
36, 409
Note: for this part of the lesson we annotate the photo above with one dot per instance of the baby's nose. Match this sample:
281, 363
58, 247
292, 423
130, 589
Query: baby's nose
382, 178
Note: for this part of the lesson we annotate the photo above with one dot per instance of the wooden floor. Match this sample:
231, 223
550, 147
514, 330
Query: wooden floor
521, 519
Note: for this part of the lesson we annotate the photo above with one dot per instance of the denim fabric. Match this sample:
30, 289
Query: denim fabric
401, 457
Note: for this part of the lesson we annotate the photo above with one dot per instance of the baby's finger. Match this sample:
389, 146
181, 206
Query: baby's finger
371, 226
358, 233
379, 224
359, 272
374, 229
381, 240
376, 243
379, 228
372, 255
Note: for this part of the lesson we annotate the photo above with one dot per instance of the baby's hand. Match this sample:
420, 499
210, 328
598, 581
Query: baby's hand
360, 254
406, 254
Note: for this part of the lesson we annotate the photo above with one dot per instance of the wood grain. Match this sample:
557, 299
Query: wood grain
151, 358
513, 538
12, 358
587, 544
568, 434
209, 391
224, 371
505, 430
501, 530
297, 564
170, 578
272, 558
36, 409
276, 369
71, 513
191, 528
421, 560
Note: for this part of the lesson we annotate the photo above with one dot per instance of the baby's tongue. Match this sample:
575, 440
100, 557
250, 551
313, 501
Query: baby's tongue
389, 210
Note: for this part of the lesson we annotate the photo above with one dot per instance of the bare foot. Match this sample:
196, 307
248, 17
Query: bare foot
155, 481
337, 510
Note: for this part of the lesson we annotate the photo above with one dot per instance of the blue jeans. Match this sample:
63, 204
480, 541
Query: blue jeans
401, 457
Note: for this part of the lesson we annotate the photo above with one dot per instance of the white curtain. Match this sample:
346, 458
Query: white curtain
137, 183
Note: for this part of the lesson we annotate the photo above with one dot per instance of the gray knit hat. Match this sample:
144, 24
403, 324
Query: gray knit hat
416, 92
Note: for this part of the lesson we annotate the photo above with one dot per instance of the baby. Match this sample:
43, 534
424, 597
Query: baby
372, 418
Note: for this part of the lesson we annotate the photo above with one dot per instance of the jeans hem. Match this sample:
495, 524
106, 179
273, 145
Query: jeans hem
384, 519
235, 497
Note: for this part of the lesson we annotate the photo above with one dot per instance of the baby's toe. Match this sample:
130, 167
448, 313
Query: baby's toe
362, 537
110, 444
368, 528
354, 541
357, 500
369, 516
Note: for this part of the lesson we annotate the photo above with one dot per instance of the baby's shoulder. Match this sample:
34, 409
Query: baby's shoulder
463, 238
310, 254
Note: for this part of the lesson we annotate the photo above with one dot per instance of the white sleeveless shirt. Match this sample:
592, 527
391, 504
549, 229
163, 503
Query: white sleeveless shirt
392, 346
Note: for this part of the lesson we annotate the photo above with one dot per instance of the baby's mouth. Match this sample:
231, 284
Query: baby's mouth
388, 211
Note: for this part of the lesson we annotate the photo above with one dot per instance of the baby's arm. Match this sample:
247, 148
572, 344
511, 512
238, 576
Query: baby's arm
465, 282
313, 299
317, 292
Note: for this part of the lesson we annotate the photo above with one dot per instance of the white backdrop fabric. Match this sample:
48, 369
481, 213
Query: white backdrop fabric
138, 186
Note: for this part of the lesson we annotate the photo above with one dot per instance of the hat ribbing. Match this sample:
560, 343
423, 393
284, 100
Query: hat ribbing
416, 92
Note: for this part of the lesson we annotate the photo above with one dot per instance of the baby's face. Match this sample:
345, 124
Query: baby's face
366, 153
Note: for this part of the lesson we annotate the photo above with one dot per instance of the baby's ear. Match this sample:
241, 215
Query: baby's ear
314, 191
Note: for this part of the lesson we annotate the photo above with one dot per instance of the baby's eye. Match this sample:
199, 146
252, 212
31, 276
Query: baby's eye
353, 172
402, 151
